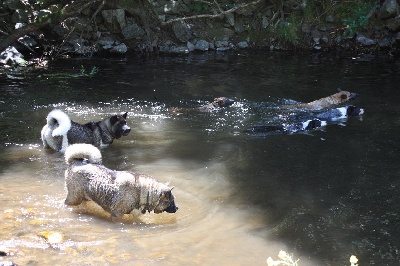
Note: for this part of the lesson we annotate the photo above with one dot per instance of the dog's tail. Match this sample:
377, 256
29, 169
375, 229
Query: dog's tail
81, 152
59, 117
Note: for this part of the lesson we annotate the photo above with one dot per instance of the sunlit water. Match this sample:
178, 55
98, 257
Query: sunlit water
322, 196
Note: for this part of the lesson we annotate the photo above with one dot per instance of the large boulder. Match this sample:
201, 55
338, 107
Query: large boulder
389, 8
114, 20
132, 30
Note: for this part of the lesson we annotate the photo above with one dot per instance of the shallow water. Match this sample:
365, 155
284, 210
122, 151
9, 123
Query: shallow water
322, 196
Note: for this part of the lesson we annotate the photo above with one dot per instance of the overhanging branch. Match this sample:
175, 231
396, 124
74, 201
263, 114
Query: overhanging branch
220, 14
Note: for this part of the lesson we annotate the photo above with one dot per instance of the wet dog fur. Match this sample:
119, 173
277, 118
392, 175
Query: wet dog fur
60, 131
340, 113
288, 128
324, 103
117, 192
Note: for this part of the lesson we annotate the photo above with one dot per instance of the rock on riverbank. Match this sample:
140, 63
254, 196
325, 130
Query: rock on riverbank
118, 27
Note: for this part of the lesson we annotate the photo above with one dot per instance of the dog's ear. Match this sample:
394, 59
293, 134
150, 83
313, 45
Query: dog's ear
113, 119
338, 89
125, 115
166, 194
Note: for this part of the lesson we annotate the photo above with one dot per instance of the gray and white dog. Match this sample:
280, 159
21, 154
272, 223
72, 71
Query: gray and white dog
117, 192
60, 131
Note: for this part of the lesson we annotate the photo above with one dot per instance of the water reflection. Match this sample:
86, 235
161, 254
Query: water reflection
323, 195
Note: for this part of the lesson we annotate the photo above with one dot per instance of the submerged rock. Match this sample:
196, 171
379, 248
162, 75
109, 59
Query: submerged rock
52, 237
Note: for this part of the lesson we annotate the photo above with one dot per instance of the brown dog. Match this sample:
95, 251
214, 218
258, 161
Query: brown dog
327, 102
117, 192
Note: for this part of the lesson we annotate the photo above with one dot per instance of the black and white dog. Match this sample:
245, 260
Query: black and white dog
340, 113
314, 122
60, 131
288, 127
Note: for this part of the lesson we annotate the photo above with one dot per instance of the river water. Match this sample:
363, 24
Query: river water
322, 195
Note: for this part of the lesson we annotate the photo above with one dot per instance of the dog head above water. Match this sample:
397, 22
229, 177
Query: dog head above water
222, 102
166, 203
119, 126
344, 96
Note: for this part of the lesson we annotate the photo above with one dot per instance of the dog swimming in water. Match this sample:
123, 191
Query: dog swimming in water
315, 121
333, 100
117, 192
340, 113
60, 131
289, 128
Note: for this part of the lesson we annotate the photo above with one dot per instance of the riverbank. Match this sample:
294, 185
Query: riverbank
87, 28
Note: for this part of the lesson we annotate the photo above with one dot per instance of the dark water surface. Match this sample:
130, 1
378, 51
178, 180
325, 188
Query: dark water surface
323, 196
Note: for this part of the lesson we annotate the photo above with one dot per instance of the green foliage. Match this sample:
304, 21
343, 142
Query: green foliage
357, 19
91, 73
288, 30
200, 6
354, 15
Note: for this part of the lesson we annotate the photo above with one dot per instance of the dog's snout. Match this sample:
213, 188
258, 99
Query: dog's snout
353, 96
126, 129
172, 208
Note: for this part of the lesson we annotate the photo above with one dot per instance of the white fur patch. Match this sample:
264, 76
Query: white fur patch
63, 120
64, 144
82, 151
343, 112
305, 124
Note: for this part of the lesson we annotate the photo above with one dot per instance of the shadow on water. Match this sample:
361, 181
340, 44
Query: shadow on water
324, 194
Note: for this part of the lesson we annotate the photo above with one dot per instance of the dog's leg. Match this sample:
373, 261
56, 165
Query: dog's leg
72, 200
115, 217
74, 196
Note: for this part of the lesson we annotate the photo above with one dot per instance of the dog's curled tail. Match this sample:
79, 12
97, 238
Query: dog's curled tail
81, 152
59, 117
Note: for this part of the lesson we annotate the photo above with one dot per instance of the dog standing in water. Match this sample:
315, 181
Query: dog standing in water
60, 131
117, 192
